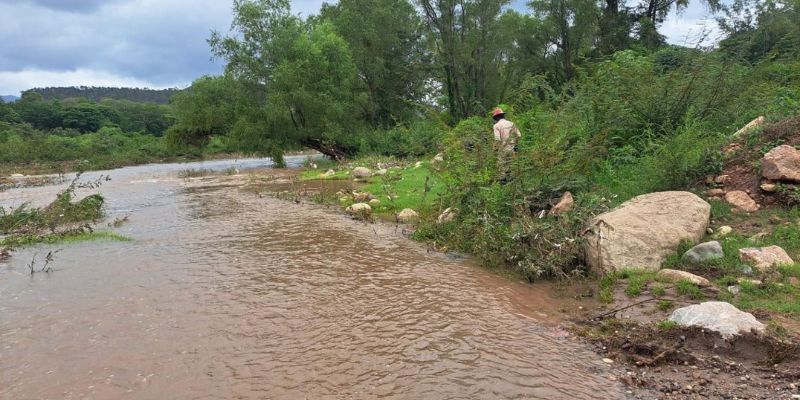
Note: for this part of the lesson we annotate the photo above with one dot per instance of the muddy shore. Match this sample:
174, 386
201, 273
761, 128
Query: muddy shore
652, 361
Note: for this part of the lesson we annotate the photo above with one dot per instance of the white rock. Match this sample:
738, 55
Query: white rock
724, 231
674, 275
381, 172
361, 172
359, 209
438, 158
407, 215
717, 316
446, 216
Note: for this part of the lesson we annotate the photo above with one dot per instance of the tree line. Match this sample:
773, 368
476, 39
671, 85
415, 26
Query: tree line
332, 80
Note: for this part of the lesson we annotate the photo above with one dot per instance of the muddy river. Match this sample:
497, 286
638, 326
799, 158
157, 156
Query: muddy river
226, 294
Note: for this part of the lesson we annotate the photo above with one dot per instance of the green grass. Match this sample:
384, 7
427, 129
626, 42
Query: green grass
657, 290
18, 241
412, 187
688, 289
782, 298
665, 305
666, 325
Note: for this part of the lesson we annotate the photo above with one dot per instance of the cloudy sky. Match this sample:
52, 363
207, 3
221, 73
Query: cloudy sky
146, 43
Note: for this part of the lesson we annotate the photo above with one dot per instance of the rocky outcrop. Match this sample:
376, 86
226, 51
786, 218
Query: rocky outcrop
642, 232
781, 164
564, 204
704, 252
407, 215
765, 258
362, 197
741, 200
674, 275
360, 173
717, 316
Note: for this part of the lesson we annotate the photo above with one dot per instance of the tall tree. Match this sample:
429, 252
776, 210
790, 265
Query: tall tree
463, 33
385, 38
571, 26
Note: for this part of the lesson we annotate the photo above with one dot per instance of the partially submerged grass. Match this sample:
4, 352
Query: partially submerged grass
63, 220
412, 187
20, 241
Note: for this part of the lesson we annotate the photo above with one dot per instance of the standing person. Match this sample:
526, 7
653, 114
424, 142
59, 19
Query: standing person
506, 136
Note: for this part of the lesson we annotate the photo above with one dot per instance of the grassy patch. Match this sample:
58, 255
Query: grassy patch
413, 187
319, 175
17, 241
688, 289
665, 305
607, 287
667, 325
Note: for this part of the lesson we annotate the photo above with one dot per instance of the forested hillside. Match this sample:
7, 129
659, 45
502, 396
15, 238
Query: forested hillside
160, 96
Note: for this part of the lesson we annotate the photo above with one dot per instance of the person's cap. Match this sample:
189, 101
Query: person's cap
498, 111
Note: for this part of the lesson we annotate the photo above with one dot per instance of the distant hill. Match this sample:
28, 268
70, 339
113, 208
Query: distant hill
9, 98
160, 96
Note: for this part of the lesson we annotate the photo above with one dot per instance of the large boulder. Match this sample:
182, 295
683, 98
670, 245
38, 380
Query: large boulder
717, 316
643, 231
781, 164
765, 258
704, 252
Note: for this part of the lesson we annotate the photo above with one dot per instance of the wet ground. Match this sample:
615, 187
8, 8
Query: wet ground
224, 293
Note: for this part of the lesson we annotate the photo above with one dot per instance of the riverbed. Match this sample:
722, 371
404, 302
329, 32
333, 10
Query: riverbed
228, 293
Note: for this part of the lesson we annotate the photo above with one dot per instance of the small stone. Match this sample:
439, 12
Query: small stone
608, 361
446, 216
741, 200
674, 275
734, 289
769, 187
374, 202
724, 230
564, 204
704, 252
418, 164
794, 281
746, 269
710, 231
359, 209
438, 158
361, 172
715, 192
722, 179
381, 172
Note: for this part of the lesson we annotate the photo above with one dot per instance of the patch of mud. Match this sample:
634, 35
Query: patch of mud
692, 363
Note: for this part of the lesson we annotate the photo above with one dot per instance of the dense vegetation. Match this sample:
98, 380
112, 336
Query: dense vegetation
159, 96
97, 134
608, 110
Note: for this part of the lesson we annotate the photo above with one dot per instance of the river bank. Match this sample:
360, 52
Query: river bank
271, 299
628, 324
654, 360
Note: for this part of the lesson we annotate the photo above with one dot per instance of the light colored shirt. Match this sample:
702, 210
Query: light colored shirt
507, 134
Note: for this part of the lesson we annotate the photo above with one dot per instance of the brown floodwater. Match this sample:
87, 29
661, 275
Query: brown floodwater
227, 294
